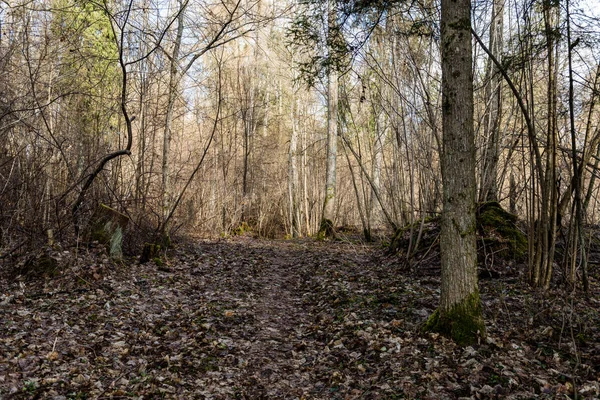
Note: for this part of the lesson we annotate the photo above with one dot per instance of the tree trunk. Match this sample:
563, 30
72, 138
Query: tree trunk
326, 227
543, 260
172, 96
459, 313
294, 205
374, 210
493, 115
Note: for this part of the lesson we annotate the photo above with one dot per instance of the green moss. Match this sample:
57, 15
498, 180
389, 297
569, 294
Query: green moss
499, 227
325, 229
150, 251
158, 261
242, 229
47, 265
463, 323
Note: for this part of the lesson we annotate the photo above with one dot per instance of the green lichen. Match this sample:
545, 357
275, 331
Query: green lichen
116, 243
463, 323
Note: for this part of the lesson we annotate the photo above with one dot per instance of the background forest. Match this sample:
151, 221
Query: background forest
465, 137
213, 117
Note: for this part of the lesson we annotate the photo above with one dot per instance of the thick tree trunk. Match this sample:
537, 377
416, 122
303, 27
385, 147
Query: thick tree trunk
459, 314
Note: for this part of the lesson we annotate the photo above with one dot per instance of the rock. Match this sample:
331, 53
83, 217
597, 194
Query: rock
107, 227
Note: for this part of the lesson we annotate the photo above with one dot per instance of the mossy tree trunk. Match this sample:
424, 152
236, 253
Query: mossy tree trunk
459, 313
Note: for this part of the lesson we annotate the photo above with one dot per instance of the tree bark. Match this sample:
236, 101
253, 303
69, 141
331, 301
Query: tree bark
459, 313
173, 86
294, 214
327, 220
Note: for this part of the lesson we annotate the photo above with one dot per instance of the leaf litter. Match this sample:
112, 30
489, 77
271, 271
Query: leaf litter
257, 319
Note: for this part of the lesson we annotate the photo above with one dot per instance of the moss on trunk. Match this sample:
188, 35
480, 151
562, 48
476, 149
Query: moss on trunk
326, 229
462, 323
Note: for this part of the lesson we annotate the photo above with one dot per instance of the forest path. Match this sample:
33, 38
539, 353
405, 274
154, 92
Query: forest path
244, 318
226, 319
276, 355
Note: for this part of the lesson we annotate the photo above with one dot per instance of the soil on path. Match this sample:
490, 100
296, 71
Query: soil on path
257, 319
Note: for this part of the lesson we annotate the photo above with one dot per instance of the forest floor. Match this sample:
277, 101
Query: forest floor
244, 318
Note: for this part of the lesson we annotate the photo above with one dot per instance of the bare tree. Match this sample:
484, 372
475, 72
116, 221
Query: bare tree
488, 190
327, 221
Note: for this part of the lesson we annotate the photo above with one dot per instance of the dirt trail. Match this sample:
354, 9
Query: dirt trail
257, 319
281, 319
276, 359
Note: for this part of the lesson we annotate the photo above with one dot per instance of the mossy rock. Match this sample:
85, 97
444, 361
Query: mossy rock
498, 229
107, 227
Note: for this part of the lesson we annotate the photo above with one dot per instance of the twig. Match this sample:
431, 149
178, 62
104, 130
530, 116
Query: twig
55, 340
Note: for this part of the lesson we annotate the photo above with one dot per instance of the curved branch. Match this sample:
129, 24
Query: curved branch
89, 182
124, 152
